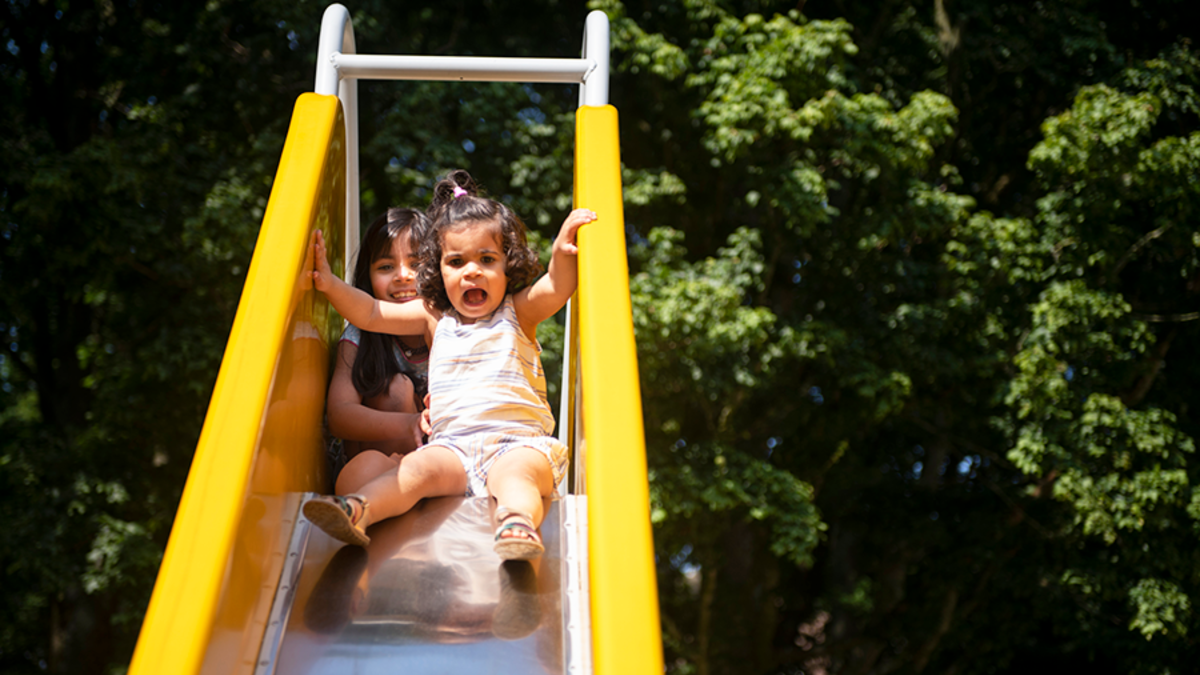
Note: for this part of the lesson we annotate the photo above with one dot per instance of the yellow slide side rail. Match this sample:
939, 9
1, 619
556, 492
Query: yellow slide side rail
262, 435
626, 638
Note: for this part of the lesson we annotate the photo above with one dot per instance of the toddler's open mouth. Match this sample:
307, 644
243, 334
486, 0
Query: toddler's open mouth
475, 296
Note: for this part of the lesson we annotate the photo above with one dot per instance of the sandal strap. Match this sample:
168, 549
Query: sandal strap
517, 526
503, 513
510, 519
344, 503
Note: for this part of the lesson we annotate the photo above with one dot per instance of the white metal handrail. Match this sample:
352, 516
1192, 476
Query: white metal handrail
462, 68
339, 68
593, 89
337, 37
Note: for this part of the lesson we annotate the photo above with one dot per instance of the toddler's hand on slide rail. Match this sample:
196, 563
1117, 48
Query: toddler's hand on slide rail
567, 235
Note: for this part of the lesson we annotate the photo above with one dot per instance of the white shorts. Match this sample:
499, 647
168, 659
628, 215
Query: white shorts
478, 452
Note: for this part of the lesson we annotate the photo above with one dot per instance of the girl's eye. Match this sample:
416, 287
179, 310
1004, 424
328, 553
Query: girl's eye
383, 268
488, 259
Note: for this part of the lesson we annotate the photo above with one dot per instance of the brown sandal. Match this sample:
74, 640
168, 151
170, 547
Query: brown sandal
335, 516
517, 548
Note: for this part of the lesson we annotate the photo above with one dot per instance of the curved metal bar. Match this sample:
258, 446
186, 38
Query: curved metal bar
337, 39
337, 33
594, 91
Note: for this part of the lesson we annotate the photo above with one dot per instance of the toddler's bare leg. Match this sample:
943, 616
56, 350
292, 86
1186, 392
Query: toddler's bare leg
433, 472
520, 480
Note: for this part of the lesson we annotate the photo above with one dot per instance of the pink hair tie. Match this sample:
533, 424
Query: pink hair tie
459, 192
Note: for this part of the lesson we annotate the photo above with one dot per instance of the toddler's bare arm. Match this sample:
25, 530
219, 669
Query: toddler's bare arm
548, 294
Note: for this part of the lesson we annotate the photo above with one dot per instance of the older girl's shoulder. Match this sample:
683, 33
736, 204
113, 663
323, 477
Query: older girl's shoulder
351, 334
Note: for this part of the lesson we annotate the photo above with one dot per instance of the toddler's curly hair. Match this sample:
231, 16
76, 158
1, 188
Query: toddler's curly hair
456, 201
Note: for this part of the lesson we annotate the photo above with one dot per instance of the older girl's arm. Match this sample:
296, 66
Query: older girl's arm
359, 308
351, 419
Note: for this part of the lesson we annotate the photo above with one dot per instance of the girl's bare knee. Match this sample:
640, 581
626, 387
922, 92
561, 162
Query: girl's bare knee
362, 469
433, 471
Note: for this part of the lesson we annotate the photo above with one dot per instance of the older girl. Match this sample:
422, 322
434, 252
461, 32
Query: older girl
378, 380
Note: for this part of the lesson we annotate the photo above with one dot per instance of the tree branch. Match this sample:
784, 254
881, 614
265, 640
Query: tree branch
1137, 246
1135, 396
930, 645
707, 595
948, 35
966, 443
1019, 514
1167, 318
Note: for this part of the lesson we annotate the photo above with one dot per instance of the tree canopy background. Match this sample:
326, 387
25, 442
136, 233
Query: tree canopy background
917, 285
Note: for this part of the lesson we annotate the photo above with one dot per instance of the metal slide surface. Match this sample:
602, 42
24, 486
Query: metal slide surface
428, 593
246, 586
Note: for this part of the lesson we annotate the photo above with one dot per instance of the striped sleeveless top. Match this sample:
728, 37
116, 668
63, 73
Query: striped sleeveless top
487, 377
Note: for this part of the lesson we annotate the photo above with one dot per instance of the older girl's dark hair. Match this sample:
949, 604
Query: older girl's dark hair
456, 200
375, 363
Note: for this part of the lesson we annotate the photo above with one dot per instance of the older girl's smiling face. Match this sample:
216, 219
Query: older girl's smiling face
394, 276
474, 269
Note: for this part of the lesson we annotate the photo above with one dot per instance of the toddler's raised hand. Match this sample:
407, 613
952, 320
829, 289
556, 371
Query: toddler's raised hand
566, 240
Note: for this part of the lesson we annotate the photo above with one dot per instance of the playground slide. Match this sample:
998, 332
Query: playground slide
247, 586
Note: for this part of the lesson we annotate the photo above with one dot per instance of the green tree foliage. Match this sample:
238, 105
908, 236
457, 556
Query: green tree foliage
976, 450
1119, 222
138, 149
140, 143
914, 286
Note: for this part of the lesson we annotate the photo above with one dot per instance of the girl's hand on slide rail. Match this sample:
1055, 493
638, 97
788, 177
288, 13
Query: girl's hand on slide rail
322, 274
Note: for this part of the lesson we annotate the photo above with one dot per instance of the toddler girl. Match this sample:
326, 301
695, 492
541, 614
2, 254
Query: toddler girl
490, 423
